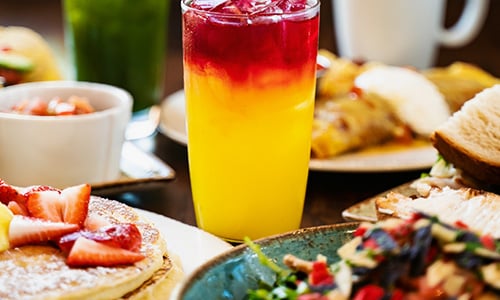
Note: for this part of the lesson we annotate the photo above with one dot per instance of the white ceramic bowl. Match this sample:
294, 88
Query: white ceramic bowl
62, 151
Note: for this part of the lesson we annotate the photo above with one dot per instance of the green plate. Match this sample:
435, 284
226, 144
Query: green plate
231, 274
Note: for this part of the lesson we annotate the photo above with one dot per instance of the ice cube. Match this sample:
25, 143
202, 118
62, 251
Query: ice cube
255, 6
251, 7
293, 5
208, 5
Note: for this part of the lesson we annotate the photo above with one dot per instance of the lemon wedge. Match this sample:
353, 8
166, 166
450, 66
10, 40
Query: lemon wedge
5, 218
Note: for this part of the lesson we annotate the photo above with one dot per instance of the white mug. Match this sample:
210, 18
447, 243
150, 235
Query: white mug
402, 32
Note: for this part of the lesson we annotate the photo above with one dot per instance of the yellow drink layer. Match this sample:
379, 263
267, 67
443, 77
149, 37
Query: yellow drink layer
249, 148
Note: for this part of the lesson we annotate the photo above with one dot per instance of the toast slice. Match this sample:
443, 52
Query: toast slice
470, 138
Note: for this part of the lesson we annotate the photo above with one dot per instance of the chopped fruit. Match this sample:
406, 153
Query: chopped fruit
69, 205
76, 203
46, 205
88, 253
95, 222
17, 208
26, 230
67, 241
8, 193
5, 219
39, 188
125, 236
370, 292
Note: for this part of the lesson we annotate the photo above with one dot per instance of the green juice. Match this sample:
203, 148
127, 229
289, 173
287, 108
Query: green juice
119, 42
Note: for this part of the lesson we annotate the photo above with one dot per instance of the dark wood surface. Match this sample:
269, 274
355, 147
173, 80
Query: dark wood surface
328, 193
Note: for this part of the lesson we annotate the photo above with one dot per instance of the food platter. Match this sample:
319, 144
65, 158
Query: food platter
417, 156
366, 211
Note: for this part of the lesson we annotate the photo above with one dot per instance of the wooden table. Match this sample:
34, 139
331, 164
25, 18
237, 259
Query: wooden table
328, 193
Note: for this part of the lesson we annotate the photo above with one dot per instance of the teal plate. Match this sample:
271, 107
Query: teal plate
231, 274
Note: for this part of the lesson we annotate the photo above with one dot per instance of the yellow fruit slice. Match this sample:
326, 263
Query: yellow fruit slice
5, 218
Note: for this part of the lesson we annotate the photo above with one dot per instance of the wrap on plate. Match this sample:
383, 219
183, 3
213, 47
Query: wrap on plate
352, 122
25, 56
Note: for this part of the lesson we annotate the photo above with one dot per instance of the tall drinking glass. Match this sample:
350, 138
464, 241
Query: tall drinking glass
249, 79
119, 42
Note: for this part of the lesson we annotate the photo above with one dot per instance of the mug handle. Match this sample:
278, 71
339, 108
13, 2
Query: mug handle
468, 25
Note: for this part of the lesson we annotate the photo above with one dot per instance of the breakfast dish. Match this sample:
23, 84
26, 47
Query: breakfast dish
463, 182
411, 103
354, 121
67, 244
25, 56
418, 258
460, 82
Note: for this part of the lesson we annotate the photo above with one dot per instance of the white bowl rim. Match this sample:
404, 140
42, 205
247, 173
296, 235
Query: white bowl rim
120, 93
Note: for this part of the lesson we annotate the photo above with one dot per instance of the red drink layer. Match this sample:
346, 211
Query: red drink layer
245, 44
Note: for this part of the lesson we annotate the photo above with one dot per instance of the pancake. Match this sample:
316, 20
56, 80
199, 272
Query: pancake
41, 272
161, 284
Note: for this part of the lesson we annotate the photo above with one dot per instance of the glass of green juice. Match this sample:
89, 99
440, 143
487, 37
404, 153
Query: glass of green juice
119, 42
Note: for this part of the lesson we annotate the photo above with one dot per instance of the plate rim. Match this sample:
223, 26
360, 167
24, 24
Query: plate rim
353, 214
167, 106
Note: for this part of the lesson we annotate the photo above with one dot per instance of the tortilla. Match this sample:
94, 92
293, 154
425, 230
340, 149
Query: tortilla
24, 42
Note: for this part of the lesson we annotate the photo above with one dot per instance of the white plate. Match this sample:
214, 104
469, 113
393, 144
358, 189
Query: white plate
173, 117
173, 125
193, 245
404, 159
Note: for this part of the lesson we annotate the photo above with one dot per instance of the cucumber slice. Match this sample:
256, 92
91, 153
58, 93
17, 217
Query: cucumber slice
15, 62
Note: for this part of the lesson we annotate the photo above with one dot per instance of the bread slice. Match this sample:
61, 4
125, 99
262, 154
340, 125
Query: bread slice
470, 138
476, 208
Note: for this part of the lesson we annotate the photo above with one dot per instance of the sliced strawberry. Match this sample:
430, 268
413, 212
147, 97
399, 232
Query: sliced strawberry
8, 193
46, 205
76, 201
67, 241
88, 253
95, 222
126, 236
18, 208
39, 188
26, 230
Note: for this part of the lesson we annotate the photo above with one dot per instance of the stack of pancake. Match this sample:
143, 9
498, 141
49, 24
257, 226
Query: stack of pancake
41, 271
